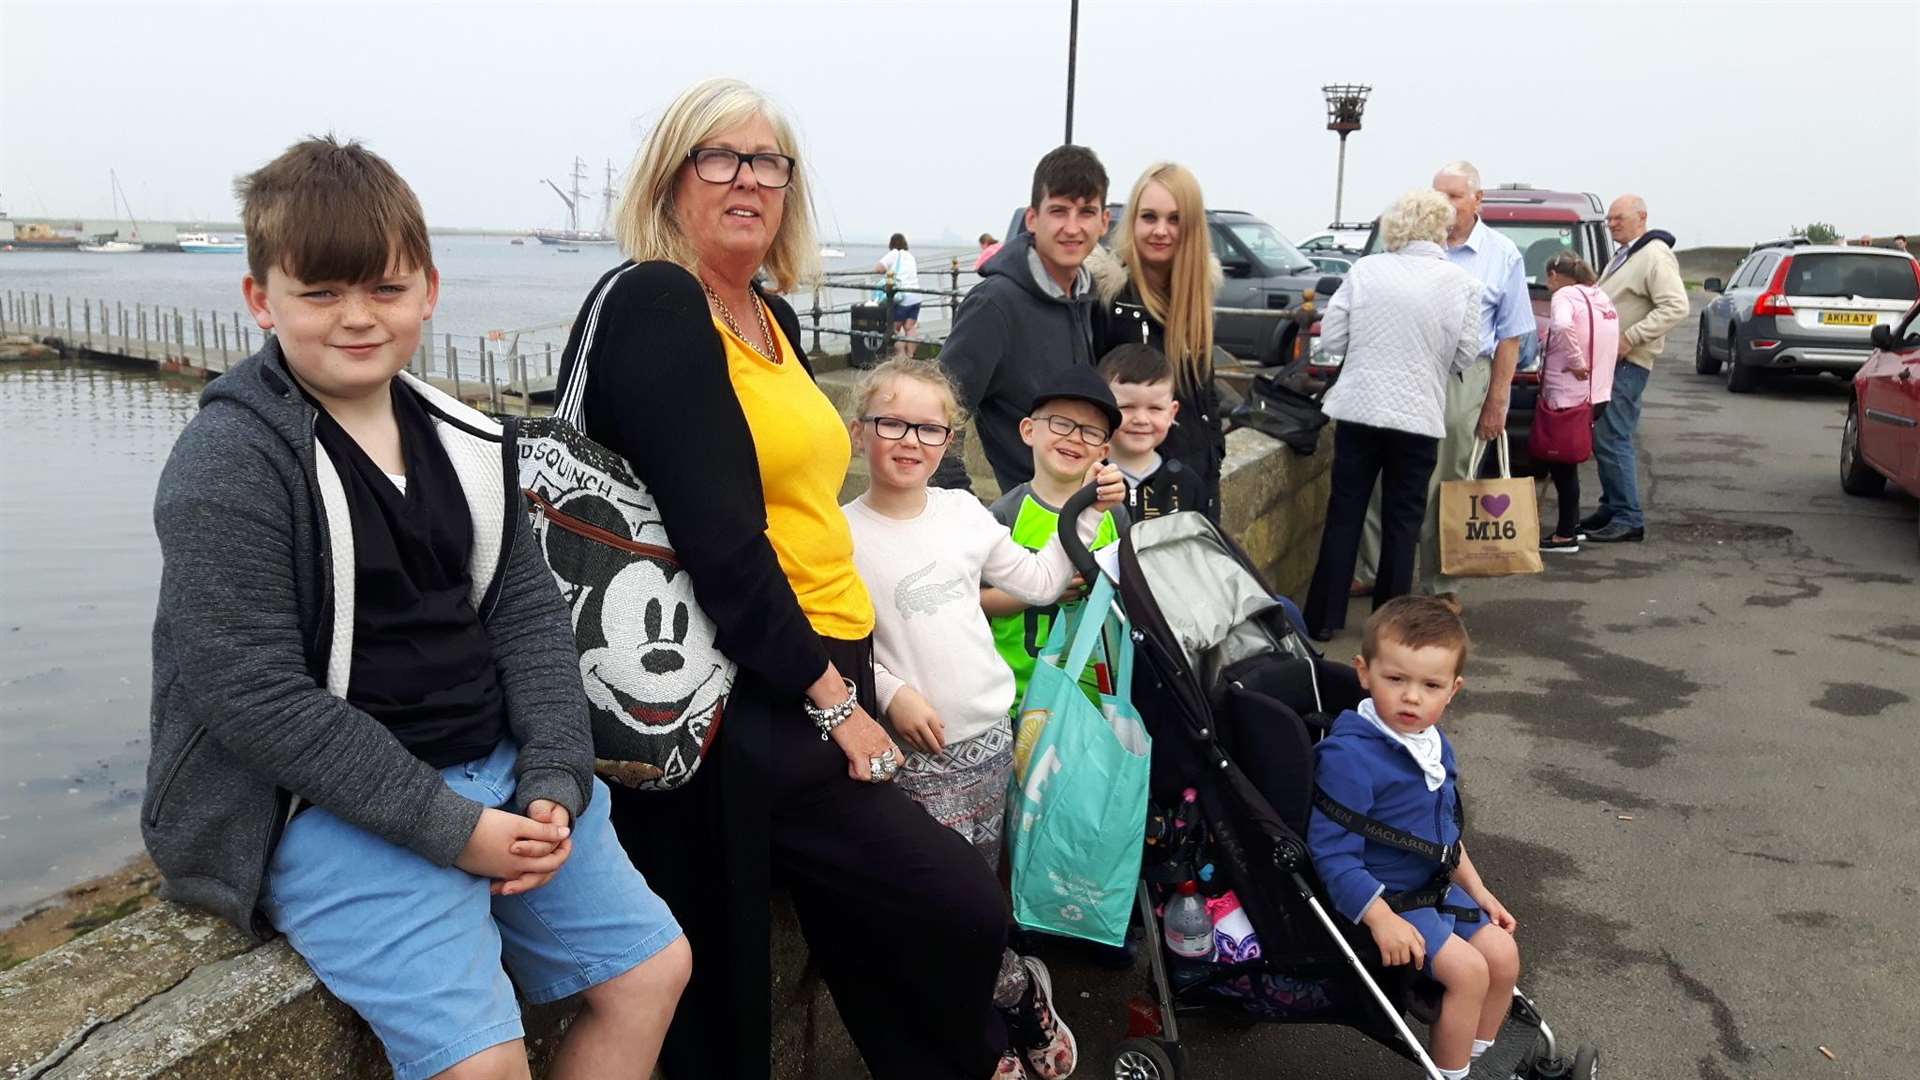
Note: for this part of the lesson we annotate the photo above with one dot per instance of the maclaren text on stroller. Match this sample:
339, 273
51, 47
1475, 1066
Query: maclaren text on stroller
1234, 699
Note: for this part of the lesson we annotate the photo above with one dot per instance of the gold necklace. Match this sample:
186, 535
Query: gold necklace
759, 311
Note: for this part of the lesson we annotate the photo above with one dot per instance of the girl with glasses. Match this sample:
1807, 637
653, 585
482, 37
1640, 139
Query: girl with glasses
924, 553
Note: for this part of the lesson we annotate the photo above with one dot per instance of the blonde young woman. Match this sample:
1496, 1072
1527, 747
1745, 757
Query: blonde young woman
696, 378
1158, 287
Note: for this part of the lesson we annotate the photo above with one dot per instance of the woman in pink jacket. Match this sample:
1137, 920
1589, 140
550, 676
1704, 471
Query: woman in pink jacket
1583, 342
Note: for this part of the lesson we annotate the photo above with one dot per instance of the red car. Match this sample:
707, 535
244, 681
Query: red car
1881, 441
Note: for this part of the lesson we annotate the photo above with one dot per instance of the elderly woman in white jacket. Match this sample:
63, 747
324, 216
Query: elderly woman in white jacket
1407, 320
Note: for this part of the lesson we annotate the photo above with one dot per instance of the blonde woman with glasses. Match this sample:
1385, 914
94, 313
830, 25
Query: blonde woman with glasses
696, 378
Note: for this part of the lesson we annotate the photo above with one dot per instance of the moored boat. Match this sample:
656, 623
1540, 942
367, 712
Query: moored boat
199, 243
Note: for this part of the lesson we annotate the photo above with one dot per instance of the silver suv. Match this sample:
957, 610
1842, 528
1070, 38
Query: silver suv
1795, 306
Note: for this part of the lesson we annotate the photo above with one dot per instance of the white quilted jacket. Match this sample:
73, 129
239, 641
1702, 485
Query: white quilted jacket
1405, 320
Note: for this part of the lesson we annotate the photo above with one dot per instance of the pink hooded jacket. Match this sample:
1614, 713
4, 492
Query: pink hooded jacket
1584, 334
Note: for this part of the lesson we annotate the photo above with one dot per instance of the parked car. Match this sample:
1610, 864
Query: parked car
1881, 440
1541, 224
1794, 306
1338, 237
1261, 271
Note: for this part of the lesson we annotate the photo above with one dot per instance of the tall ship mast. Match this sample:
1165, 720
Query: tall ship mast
573, 235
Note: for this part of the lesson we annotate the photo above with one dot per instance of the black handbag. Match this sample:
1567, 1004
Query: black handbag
1278, 410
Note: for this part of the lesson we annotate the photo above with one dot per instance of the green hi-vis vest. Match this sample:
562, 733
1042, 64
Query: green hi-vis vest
1021, 637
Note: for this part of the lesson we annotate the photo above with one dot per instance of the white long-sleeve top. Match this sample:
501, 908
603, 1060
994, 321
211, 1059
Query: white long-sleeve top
924, 575
1405, 321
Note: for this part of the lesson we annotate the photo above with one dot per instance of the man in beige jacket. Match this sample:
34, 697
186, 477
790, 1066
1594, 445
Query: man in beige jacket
1643, 280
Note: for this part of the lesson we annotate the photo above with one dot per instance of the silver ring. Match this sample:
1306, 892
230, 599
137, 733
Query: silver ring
874, 765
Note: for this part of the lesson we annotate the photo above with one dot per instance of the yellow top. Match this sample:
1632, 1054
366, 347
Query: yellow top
804, 451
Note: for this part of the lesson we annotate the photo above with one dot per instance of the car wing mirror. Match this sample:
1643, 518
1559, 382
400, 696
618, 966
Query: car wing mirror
1882, 337
1326, 286
1714, 284
1236, 267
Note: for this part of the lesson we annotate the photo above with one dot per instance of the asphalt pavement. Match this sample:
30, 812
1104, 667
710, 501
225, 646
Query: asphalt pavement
1694, 768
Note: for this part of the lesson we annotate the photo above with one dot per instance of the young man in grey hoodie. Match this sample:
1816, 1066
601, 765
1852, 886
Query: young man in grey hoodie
369, 730
1031, 315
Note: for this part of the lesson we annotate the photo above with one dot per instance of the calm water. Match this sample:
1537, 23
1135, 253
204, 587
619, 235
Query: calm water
486, 283
81, 448
79, 566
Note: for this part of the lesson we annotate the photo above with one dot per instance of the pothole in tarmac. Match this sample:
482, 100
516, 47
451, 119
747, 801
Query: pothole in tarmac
1719, 530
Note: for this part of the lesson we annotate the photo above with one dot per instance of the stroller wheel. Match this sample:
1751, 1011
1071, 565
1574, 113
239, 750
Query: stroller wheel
1586, 1063
1142, 1059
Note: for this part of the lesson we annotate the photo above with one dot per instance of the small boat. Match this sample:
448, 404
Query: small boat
832, 253
111, 244
198, 243
568, 250
517, 242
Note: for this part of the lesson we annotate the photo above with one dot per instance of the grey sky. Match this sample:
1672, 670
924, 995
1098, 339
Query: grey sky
928, 116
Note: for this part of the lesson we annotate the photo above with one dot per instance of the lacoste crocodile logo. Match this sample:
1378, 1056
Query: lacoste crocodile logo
911, 598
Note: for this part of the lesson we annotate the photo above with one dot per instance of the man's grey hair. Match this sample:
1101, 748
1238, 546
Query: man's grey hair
1424, 214
1465, 171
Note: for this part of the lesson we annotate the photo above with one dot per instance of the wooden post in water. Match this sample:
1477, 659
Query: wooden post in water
549, 357
453, 365
140, 316
87, 312
69, 316
36, 311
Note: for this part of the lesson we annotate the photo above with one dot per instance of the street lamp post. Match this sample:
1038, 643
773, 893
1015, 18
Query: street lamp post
1345, 102
1073, 53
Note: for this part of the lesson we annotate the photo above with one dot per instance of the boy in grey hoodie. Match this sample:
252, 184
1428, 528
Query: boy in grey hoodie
1030, 316
368, 729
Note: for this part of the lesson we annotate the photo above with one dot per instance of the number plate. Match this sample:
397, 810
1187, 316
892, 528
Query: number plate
1848, 318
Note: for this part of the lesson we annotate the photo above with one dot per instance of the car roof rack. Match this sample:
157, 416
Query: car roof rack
1785, 241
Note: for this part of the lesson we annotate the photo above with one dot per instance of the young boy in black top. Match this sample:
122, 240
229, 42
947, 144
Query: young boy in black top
369, 729
1142, 381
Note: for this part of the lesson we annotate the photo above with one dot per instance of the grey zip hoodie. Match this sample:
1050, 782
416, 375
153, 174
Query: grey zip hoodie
1012, 331
252, 647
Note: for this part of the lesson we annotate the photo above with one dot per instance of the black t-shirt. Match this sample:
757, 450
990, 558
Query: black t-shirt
422, 662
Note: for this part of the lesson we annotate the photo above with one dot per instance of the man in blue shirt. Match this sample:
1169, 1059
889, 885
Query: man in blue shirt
1476, 398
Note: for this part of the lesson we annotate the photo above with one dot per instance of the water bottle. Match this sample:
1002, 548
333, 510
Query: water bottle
1188, 926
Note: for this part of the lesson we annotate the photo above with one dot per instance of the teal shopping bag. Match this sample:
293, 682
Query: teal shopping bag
1077, 809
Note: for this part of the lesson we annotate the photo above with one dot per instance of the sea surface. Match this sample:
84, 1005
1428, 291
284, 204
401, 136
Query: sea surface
81, 448
487, 284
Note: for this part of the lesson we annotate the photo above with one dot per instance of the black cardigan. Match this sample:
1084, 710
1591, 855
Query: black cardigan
658, 394
1198, 438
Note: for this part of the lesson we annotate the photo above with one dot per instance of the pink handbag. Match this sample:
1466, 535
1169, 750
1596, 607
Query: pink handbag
1565, 436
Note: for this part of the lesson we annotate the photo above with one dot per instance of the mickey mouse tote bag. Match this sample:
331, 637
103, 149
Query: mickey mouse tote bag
656, 685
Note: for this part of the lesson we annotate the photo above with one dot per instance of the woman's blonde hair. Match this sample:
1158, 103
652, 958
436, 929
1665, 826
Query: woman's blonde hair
1186, 308
1423, 214
646, 222
874, 384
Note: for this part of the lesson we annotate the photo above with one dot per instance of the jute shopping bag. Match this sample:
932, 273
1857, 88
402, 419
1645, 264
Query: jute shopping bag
1489, 528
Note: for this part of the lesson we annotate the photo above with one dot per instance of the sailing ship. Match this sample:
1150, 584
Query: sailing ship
110, 243
573, 235
199, 243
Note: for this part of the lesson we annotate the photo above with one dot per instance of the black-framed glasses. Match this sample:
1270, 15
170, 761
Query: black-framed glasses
894, 428
719, 165
1091, 434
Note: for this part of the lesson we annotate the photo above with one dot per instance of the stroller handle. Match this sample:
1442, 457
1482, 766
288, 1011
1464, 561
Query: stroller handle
1077, 552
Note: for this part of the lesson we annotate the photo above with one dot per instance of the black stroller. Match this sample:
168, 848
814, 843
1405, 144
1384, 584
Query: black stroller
1235, 698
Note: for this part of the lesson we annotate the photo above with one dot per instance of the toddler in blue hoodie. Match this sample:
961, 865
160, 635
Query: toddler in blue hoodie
1386, 828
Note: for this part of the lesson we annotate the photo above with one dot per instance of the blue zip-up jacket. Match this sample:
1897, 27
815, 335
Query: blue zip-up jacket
1362, 769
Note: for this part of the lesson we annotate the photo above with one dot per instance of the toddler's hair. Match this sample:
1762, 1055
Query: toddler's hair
874, 385
1417, 622
1135, 363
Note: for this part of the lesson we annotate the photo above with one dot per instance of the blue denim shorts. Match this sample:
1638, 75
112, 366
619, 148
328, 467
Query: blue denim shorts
416, 949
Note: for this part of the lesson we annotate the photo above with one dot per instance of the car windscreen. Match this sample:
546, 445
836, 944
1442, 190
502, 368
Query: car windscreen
1540, 241
1877, 277
1269, 246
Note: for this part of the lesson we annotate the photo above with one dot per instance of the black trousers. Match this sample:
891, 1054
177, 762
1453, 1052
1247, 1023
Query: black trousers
1402, 463
906, 922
